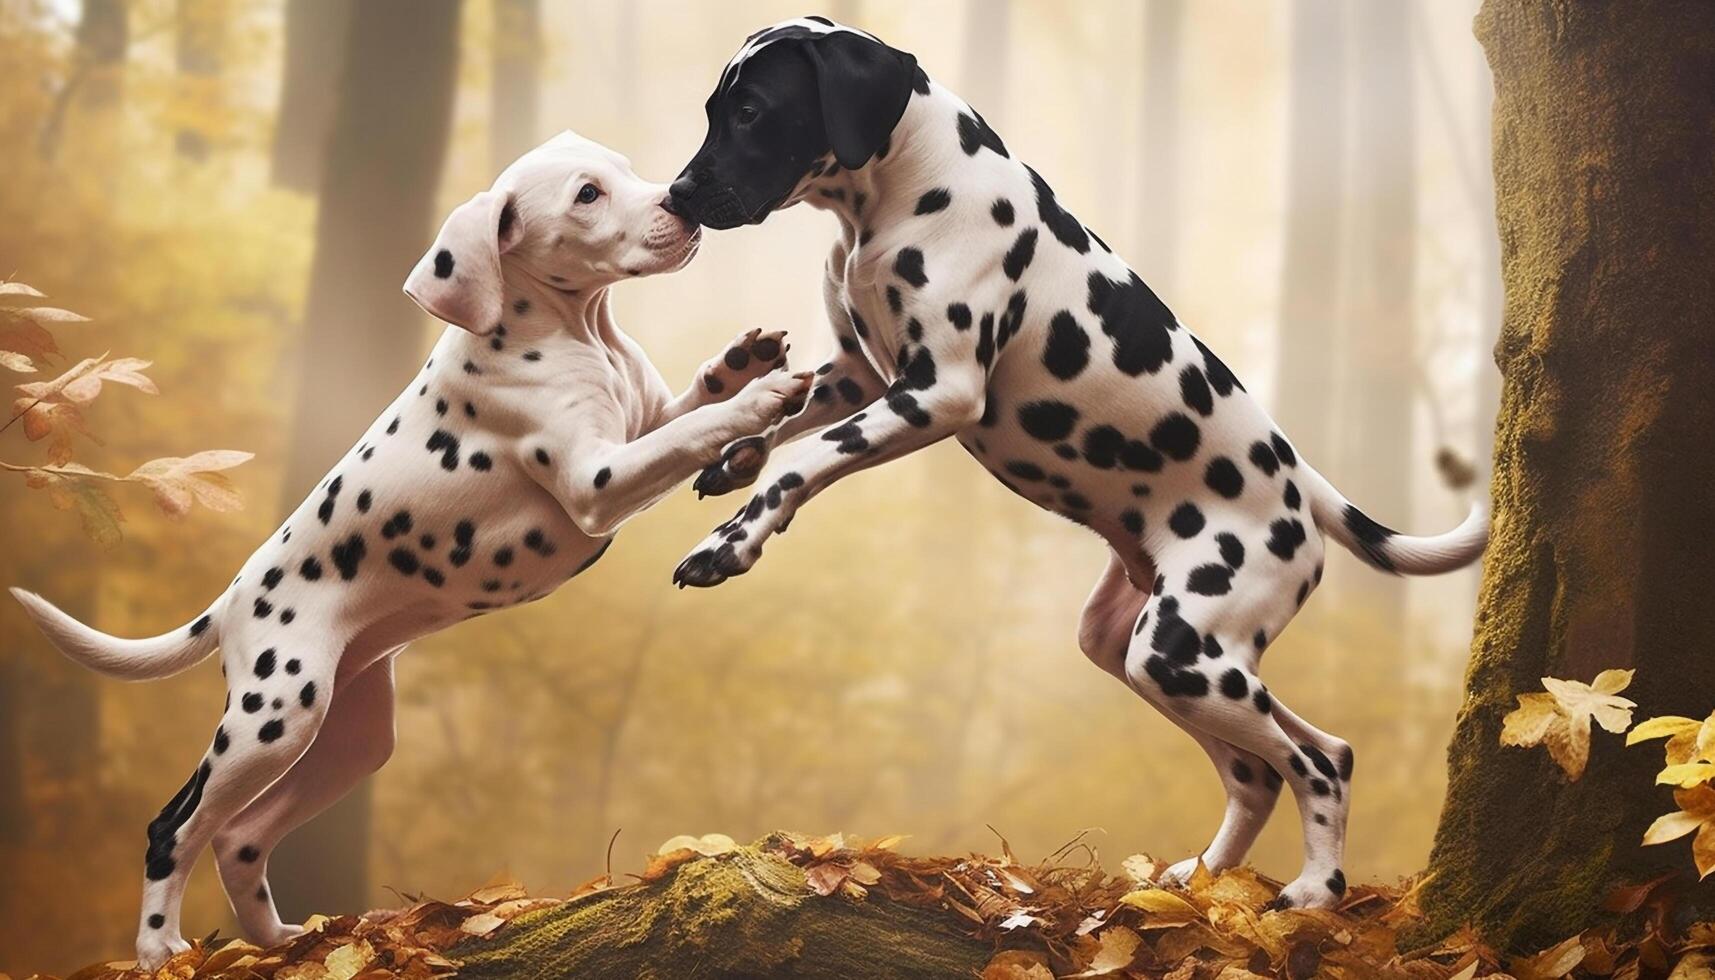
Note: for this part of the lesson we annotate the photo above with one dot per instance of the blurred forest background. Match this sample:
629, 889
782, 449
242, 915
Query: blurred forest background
235, 189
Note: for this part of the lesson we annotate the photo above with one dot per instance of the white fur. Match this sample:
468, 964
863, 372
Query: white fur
564, 431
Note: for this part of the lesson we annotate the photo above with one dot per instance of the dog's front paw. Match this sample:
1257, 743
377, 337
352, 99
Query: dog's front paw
710, 566
751, 355
740, 463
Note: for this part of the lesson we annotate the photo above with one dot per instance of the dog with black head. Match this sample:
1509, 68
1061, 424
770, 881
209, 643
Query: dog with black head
967, 301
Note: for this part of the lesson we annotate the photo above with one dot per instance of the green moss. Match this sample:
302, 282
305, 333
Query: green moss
749, 913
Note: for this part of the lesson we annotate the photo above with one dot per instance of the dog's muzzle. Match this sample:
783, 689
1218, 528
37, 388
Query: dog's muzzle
719, 208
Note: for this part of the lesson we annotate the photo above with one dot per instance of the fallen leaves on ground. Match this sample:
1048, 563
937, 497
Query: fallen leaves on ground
1560, 719
1060, 918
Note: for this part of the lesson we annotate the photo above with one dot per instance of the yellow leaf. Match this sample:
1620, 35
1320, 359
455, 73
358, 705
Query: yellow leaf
1116, 948
1671, 826
865, 873
1697, 812
1017, 964
1662, 727
1526, 725
707, 845
1140, 868
345, 962
1686, 775
481, 924
1162, 907
1560, 719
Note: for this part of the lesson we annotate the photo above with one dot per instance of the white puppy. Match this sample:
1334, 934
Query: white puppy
503, 470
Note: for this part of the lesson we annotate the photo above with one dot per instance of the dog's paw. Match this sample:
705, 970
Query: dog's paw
710, 566
155, 949
1311, 891
740, 463
1179, 875
770, 399
751, 355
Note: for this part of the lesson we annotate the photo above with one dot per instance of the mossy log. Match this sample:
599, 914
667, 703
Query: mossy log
1604, 481
749, 913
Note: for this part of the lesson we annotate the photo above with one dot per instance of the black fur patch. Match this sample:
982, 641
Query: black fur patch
1372, 537
1137, 321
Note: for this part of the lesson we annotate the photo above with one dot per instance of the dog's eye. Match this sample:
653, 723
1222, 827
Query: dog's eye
588, 193
745, 114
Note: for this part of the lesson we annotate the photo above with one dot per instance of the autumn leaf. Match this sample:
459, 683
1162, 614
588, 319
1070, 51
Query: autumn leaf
1550, 964
1017, 964
11, 360
1113, 952
1696, 814
179, 482
1161, 908
19, 289
72, 487
44, 314
1560, 719
82, 382
1690, 749
707, 845
28, 339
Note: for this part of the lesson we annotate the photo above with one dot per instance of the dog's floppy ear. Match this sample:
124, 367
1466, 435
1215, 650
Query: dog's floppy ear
864, 87
459, 279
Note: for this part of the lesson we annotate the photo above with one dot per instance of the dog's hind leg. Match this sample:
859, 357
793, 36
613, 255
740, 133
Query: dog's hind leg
355, 740
1252, 785
1186, 660
278, 706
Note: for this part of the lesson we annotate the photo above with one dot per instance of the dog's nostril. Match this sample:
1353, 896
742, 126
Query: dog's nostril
679, 192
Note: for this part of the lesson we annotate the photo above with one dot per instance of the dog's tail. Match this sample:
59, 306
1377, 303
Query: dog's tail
132, 660
1387, 549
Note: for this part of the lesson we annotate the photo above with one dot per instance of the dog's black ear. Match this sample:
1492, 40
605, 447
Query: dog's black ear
864, 87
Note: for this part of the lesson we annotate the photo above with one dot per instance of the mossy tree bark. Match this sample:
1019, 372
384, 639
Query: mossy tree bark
749, 913
1604, 480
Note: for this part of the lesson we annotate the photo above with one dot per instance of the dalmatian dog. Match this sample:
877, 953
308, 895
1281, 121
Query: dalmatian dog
966, 301
534, 431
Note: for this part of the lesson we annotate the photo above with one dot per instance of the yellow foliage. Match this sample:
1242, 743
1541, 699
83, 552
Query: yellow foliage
1560, 719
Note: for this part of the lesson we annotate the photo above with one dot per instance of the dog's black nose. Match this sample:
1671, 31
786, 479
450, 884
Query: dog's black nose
679, 195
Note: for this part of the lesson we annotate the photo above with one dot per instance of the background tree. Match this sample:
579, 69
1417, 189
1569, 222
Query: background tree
309, 91
516, 86
1603, 477
1315, 190
1377, 350
384, 157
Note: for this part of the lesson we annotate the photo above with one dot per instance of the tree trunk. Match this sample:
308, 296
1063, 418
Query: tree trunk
1158, 195
514, 92
747, 914
200, 35
377, 216
1315, 188
1604, 481
1379, 345
1488, 296
316, 33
